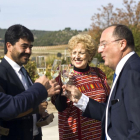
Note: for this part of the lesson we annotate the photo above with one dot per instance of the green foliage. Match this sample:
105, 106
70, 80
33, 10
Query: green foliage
136, 33
2, 33
107, 15
86, 29
108, 72
138, 53
67, 29
1, 57
49, 63
63, 61
48, 74
98, 56
32, 70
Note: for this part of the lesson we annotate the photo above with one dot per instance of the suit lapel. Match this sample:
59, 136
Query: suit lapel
109, 106
11, 73
113, 92
134, 56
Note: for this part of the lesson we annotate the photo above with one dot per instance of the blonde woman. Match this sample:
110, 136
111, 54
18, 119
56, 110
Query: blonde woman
92, 82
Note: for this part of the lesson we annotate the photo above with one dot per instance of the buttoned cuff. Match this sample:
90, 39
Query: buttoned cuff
82, 103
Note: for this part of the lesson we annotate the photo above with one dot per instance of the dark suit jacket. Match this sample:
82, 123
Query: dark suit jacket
124, 104
12, 106
21, 128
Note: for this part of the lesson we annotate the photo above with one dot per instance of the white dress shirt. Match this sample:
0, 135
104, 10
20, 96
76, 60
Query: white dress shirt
16, 68
82, 103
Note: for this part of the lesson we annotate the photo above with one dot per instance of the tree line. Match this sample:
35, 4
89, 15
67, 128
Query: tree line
48, 38
128, 15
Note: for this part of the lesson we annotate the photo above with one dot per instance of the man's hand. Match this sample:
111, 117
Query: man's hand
44, 81
55, 88
45, 114
73, 92
42, 108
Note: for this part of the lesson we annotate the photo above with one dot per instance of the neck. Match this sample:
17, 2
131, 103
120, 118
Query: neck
127, 51
82, 70
122, 54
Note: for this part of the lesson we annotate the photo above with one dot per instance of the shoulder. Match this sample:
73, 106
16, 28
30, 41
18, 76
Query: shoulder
133, 63
98, 71
3, 65
131, 69
4, 68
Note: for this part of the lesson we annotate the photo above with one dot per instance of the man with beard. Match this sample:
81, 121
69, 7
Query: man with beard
14, 80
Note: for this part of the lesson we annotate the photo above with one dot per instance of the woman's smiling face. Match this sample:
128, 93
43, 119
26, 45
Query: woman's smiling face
80, 56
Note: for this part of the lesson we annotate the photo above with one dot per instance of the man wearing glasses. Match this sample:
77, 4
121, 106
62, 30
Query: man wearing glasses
120, 116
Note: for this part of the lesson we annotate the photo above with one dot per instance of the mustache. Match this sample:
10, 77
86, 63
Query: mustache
25, 54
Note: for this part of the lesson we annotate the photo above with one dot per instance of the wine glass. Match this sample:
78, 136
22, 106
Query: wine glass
55, 68
71, 67
68, 62
64, 73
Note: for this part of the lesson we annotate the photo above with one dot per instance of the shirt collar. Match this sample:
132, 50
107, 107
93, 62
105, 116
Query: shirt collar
122, 63
13, 64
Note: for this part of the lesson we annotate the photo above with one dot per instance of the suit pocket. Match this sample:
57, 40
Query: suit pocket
115, 103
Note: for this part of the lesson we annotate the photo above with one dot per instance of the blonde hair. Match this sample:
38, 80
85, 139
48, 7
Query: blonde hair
87, 42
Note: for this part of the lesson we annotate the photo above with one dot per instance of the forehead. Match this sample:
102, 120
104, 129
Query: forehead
24, 40
79, 47
107, 34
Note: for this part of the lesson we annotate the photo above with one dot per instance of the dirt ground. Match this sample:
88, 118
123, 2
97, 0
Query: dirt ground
51, 108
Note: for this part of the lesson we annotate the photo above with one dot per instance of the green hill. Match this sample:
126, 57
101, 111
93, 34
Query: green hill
48, 38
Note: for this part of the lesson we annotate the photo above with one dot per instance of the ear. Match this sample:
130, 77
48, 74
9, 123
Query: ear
123, 44
9, 46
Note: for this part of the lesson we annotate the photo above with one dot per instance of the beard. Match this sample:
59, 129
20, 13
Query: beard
20, 58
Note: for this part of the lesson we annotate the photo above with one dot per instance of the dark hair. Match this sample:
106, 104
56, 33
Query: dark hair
123, 32
15, 32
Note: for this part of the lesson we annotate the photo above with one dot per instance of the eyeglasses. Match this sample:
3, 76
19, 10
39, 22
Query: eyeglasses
105, 43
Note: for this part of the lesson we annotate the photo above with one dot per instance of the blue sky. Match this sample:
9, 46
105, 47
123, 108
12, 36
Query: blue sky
51, 15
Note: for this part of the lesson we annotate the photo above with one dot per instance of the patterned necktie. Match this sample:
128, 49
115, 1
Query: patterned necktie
114, 76
24, 72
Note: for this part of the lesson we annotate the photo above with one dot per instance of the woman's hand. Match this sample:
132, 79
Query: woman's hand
73, 93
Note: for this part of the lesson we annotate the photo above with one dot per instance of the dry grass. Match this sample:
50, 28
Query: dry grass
49, 50
60, 47
51, 108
